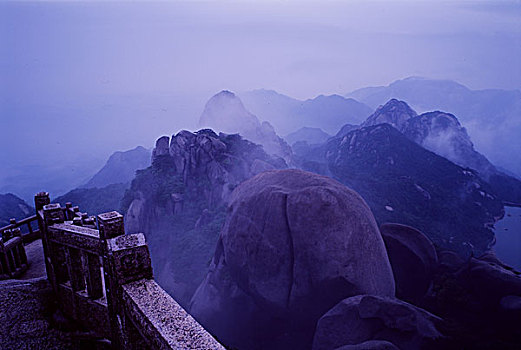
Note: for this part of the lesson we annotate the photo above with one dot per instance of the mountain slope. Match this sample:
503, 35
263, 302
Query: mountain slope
490, 116
95, 200
120, 168
287, 114
13, 207
309, 135
443, 134
403, 182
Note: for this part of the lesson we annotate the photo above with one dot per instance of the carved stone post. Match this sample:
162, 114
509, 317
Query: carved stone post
111, 225
130, 261
4, 266
55, 263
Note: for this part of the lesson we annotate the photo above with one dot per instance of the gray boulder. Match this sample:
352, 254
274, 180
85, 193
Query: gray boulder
413, 260
293, 245
369, 317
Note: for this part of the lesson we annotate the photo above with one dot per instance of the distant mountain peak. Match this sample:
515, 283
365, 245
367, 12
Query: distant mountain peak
394, 112
225, 112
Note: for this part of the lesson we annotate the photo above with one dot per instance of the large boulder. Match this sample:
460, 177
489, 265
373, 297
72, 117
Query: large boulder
293, 245
413, 259
362, 318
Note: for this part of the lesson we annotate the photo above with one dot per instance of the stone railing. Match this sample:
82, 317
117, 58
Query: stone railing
29, 223
103, 280
13, 260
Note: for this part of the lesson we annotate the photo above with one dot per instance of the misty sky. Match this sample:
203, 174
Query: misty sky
96, 77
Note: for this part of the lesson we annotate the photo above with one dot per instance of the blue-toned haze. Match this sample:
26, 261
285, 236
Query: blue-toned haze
80, 80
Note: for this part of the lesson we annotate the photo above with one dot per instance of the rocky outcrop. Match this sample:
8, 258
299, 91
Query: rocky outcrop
225, 112
162, 147
413, 259
442, 134
179, 202
293, 245
394, 112
367, 317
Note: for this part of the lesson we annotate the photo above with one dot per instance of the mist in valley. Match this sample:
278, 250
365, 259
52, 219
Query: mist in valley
268, 149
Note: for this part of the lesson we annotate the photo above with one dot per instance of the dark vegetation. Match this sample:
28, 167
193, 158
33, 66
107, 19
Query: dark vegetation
402, 182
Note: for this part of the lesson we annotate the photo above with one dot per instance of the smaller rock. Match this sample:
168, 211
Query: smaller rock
369, 317
413, 260
491, 282
511, 303
450, 260
162, 147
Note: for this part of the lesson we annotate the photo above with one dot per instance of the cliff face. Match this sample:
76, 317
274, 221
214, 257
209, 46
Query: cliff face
179, 202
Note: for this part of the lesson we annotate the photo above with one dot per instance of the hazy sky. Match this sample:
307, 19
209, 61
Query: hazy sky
121, 74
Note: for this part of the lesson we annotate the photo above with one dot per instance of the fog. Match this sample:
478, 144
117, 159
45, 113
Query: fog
80, 80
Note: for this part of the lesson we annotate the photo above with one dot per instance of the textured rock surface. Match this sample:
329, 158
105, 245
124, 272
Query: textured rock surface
162, 321
293, 245
413, 260
367, 317
180, 202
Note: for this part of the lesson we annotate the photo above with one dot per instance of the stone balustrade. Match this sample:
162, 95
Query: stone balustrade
103, 280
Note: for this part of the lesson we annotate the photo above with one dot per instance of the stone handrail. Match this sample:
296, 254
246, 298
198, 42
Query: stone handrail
31, 233
13, 260
103, 280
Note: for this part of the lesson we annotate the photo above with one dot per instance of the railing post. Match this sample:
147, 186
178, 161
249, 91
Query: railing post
55, 261
111, 225
4, 265
40, 200
130, 261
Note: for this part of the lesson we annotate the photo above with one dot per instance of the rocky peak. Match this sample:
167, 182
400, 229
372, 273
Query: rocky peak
394, 112
161, 148
442, 134
226, 113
